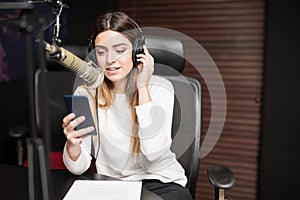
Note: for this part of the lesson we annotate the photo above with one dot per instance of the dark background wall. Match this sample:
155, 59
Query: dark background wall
80, 17
13, 111
280, 136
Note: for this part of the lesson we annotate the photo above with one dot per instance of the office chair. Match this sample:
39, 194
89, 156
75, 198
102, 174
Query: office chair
169, 59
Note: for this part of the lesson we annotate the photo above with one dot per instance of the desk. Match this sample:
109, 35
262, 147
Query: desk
14, 183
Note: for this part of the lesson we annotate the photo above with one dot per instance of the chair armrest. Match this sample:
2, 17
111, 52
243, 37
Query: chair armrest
221, 177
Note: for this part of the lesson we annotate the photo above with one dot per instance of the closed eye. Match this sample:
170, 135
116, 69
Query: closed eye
120, 51
101, 52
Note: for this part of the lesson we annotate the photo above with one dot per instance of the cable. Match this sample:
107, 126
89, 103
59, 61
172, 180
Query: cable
98, 131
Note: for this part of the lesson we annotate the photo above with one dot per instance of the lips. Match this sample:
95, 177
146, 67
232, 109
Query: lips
111, 69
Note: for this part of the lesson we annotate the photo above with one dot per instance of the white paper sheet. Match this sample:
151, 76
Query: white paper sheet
104, 190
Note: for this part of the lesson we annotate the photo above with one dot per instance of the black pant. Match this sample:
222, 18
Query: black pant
167, 191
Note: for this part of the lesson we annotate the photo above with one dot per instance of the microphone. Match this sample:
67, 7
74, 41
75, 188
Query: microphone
88, 71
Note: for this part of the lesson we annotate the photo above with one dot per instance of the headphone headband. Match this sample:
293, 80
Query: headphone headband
139, 29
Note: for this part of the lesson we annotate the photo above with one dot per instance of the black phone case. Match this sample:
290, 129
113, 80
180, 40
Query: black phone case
80, 106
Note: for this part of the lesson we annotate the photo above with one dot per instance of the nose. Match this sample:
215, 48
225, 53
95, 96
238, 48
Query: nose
111, 57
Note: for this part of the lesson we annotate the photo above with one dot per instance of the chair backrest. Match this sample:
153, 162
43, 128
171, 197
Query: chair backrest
169, 59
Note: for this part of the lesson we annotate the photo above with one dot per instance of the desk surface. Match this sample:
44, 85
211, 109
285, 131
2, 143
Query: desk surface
14, 183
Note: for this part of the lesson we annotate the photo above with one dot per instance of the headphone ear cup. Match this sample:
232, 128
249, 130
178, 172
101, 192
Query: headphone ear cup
137, 48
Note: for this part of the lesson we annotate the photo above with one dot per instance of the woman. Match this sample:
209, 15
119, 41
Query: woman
133, 115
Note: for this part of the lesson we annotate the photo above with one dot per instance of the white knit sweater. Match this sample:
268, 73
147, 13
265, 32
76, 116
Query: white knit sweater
114, 157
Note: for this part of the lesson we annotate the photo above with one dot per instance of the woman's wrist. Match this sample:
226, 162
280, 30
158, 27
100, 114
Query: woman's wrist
144, 95
73, 151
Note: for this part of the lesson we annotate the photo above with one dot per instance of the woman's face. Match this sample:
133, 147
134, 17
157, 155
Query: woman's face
114, 55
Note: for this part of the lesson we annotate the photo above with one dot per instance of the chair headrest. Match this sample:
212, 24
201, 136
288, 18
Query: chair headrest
166, 52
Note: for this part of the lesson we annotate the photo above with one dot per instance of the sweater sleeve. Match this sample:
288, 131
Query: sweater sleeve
84, 160
80, 165
155, 120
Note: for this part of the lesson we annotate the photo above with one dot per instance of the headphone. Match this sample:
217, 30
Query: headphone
137, 46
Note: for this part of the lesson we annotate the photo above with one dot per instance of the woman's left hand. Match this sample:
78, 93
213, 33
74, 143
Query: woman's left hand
146, 68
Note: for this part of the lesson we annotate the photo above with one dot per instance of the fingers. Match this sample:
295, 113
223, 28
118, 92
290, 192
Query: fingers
73, 124
145, 59
146, 68
146, 54
70, 123
67, 119
78, 134
146, 50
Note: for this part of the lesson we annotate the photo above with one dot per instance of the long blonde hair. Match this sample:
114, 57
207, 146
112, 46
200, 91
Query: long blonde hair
120, 22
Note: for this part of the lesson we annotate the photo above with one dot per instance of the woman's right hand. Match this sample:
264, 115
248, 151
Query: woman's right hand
74, 137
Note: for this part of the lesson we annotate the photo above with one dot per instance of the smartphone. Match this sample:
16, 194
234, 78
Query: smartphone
80, 106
